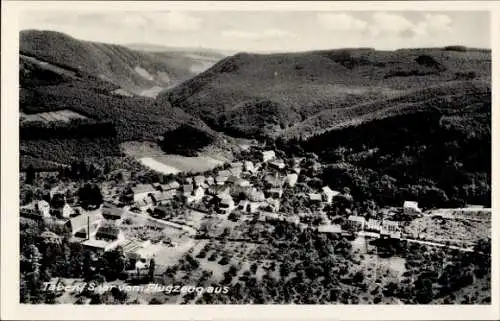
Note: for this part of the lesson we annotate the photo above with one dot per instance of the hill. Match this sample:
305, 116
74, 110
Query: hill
67, 114
238, 94
137, 72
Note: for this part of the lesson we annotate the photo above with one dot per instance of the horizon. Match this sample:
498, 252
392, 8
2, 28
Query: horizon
270, 32
164, 48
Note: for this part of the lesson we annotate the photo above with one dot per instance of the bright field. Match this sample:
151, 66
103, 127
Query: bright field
170, 163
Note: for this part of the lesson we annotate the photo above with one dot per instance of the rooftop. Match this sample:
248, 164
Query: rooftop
143, 188
356, 218
329, 228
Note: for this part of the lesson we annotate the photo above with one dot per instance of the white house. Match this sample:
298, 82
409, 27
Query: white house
268, 155
291, 179
330, 229
356, 222
249, 206
410, 207
249, 167
273, 204
329, 194
315, 198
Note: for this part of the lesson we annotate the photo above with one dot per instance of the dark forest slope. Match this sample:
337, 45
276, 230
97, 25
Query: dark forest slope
262, 95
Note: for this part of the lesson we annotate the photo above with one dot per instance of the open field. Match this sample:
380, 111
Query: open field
151, 155
60, 115
455, 231
158, 166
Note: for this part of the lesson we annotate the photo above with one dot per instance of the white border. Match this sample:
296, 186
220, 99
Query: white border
9, 297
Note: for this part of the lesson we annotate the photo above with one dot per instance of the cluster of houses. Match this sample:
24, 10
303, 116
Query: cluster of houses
231, 188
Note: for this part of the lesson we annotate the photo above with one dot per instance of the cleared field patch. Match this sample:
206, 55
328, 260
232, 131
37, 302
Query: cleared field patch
158, 166
61, 115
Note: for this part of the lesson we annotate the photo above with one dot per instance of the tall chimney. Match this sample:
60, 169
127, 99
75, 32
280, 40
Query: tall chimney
88, 228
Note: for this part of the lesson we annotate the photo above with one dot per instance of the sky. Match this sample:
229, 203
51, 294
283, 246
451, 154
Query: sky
270, 31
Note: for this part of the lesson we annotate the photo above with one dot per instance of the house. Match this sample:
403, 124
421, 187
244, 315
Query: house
187, 190
291, 179
188, 180
224, 173
141, 191
249, 167
196, 196
210, 181
391, 226
50, 238
255, 195
236, 171
109, 233
330, 229
156, 186
238, 165
373, 225
101, 245
145, 203
329, 194
411, 208
199, 180
249, 206
268, 155
274, 192
221, 180
110, 212
165, 197
232, 179
315, 198
216, 189
277, 164
225, 204
273, 181
242, 182
292, 219
85, 224
43, 208
356, 222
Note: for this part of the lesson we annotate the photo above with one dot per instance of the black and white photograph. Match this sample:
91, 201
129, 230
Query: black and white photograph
236, 157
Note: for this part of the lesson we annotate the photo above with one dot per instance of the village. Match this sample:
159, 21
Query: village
162, 222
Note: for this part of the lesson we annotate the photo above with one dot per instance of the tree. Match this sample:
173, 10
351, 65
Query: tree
151, 270
30, 174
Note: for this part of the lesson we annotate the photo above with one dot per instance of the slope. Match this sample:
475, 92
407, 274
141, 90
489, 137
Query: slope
295, 86
68, 114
